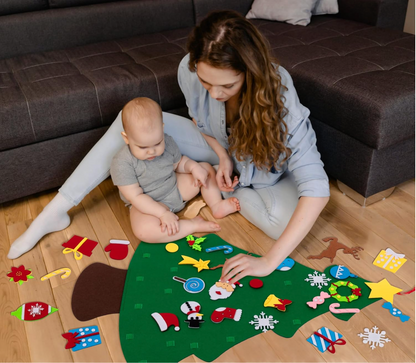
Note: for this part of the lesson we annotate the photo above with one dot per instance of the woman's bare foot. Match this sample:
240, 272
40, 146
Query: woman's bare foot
201, 225
225, 207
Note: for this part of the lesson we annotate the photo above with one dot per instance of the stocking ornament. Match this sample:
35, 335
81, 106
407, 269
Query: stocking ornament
218, 315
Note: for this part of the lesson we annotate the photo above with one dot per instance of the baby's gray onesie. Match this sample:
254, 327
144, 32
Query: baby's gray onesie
156, 177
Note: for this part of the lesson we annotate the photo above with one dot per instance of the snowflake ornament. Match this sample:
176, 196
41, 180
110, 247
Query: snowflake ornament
35, 310
318, 280
263, 322
375, 337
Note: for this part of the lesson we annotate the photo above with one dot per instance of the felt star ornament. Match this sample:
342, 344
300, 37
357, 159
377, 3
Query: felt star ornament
200, 265
382, 289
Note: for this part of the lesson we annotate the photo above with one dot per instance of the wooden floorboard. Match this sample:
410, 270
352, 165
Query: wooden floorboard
102, 216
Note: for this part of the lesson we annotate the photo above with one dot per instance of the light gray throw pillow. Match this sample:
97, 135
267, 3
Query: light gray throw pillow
296, 12
325, 7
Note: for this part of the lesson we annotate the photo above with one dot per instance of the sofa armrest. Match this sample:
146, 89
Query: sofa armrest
381, 13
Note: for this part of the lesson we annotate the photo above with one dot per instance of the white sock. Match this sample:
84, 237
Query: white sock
54, 217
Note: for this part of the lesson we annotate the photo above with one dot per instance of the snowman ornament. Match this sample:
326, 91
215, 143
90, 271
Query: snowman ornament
192, 310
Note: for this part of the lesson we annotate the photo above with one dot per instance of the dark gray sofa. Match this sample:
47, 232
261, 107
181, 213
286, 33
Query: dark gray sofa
68, 66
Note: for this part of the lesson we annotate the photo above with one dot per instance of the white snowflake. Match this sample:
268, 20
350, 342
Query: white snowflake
35, 310
263, 322
318, 280
375, 337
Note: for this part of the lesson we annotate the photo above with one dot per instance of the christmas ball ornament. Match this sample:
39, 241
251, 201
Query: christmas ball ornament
286, 265
165, 320
256, 283
33, 311
341, 272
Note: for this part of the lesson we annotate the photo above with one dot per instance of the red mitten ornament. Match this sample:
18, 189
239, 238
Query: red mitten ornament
118, 249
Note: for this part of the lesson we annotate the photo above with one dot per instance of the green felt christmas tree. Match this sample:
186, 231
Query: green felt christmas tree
150, 288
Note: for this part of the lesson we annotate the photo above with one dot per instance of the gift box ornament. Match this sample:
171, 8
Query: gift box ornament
389, 260
79, 246
82, 338
326, 339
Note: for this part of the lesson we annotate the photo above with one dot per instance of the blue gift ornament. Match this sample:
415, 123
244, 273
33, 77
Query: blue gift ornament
341, 272
286, 265
85, 337
325, 339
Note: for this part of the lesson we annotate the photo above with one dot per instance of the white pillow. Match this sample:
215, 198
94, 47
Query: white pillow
296, 12
325, 7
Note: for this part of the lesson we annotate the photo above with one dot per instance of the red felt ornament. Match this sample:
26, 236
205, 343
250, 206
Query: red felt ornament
79, 246
256, 283
19, 274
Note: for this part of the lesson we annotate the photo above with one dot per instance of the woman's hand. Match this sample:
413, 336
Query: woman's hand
169, 222
223, 175
243, 265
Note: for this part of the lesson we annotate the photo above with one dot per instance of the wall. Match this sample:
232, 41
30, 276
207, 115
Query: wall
409, 25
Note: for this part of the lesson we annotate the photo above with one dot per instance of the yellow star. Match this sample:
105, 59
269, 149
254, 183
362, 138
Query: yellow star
382, 289
200, 265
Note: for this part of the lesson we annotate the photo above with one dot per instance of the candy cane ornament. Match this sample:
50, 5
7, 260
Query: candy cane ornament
227, 249
66, 272
333, 309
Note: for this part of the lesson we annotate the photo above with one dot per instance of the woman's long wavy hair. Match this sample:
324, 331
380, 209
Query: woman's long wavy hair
225, 39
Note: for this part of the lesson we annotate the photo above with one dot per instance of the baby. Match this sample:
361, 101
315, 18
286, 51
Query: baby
157, 181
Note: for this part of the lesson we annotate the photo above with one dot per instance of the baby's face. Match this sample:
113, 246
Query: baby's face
147, 144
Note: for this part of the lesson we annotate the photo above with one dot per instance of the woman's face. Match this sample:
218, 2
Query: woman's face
221, 83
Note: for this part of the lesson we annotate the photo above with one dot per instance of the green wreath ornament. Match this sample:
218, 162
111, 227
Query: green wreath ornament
356, 291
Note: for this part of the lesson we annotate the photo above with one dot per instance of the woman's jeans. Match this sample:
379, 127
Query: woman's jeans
269, 209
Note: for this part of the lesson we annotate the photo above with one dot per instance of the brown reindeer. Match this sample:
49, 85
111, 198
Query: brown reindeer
333, 247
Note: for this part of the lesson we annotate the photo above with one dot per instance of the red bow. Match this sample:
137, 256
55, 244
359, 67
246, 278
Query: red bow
331, 347
194, 311
73, 339
282, 306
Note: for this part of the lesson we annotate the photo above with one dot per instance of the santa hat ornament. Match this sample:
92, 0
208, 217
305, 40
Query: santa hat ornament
165, 320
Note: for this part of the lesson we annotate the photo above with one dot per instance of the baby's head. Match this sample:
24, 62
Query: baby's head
143, 128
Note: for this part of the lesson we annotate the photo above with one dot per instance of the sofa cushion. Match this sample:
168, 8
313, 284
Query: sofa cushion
296, 12
356, 78
204, 7
21, 6
67, 3
49, 30
59, 93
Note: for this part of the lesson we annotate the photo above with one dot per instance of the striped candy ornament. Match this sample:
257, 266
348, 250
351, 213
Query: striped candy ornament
325, 339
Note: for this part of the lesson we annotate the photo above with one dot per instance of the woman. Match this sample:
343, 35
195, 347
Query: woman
247, 117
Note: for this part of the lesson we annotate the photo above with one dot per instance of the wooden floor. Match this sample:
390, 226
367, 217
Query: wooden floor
102, 216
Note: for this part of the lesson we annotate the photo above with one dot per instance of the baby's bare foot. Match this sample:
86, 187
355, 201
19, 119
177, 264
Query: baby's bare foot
201, 225
225, 207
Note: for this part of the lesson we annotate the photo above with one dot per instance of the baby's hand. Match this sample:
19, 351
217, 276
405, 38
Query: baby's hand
200, 176
169, 221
